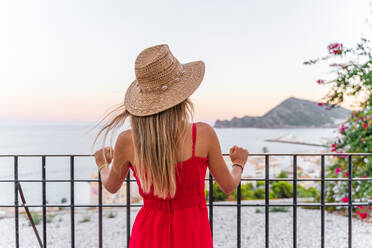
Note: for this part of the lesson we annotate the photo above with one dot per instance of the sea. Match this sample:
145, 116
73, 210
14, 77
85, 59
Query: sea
77, 138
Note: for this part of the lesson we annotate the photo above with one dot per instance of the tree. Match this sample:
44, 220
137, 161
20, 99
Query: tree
352, 76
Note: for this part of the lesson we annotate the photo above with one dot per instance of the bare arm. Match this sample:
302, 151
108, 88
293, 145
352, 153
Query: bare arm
112, 178
228, 181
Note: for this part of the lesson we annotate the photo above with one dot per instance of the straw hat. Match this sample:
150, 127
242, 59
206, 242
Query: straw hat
161, 81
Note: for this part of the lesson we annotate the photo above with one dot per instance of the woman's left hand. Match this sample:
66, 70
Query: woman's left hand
103, 153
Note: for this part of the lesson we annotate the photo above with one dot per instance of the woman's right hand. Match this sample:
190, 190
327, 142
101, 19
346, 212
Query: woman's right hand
238, 155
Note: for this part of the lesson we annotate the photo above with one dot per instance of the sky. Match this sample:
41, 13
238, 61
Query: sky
73, 60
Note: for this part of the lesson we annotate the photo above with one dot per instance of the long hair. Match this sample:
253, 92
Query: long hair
156, 139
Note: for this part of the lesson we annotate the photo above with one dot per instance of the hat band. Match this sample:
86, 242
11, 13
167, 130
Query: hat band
164, 79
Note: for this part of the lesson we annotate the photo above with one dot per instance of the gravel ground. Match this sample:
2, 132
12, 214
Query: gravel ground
225, 232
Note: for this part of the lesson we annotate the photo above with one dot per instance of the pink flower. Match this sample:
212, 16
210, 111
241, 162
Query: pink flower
337, 170
335, 48
365, 125
344, 199
362, 139
360, 207
320, 104
320, 81
371, 117
346, 174
333, 147
341, 156
363, 215
343, 66
364, 176
342, 129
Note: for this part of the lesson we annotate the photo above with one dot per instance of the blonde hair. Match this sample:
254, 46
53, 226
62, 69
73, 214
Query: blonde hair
156, 139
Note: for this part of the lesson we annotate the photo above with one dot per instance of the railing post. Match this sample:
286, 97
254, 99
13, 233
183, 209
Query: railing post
238, 201
350, 208
322, 208
210, 199
16, 224
128, 207
267, 201
72, 201
294, 201
43, 175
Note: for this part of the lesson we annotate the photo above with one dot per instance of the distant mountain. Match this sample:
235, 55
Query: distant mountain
292, 112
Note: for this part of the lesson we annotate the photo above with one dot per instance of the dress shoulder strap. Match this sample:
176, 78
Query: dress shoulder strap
193, 139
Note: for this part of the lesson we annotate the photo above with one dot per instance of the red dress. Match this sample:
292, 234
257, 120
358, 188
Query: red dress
180, 222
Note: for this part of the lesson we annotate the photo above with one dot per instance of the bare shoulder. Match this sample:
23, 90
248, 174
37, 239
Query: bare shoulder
125, 136
206, 133
205, 129
124, 140
124, 146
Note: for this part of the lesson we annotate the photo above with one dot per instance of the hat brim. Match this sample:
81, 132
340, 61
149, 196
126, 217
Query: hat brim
148, 103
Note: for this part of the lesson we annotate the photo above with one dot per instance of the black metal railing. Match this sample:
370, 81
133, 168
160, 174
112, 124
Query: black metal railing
295, 204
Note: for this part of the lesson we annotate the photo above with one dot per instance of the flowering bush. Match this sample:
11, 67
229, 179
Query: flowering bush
351, 78
335, 48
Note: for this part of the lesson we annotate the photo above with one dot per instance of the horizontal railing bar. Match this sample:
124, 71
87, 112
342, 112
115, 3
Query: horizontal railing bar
49, 180
305, 154
46, 155
291, 205
75, 205
309, 179
206, 179
224, 154
214, 204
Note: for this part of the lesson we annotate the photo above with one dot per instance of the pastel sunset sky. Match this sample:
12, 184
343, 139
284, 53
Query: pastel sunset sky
73, 60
